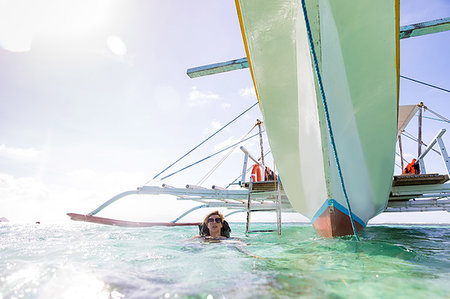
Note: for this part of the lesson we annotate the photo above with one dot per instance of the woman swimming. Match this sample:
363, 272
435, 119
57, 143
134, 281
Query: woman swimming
214, 226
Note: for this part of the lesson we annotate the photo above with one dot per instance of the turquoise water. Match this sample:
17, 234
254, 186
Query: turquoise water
92, 261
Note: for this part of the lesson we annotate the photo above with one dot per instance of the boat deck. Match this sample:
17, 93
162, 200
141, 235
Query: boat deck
409, 193
263, 186
419, 193
419, 179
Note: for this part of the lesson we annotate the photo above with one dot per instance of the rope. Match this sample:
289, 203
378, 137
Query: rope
206, 158
330, 130
404, 160
223, 159
202, 142
438, 115
432, 118
410, 136
420, 82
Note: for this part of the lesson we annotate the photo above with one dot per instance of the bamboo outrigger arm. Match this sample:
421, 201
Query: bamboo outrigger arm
215, 197
115, 198
188, 193
407, 31
424, 28
434, 197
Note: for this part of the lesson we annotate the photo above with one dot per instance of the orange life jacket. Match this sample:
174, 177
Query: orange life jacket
269, 175
412, 168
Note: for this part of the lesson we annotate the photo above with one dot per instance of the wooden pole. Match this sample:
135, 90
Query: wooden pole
401, 151
258, 122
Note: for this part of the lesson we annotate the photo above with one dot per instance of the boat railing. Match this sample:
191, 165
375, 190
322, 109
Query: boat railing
443, 151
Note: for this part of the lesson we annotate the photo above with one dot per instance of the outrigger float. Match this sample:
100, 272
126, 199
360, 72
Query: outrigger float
326, 75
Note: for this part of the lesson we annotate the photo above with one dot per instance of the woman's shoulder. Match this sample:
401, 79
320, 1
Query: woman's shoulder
214, 238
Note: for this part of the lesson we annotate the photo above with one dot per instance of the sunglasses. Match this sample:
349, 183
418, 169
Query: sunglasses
211, 220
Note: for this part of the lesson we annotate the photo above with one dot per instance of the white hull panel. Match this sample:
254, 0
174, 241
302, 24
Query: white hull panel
355, 41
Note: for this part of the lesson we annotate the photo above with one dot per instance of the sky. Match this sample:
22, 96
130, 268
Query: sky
95, 100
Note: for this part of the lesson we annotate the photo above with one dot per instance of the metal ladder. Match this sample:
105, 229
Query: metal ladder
250, 210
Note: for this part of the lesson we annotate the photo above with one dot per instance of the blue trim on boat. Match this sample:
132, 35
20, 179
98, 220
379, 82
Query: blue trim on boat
332, 202
322, 209
345, 211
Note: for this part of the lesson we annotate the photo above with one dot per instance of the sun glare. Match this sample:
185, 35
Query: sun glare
20, 21
75, 17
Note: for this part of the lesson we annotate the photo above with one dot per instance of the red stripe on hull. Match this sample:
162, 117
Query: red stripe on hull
334, 223
108, 221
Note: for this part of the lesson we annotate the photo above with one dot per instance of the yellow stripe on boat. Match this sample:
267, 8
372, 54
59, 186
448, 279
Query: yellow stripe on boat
241, 23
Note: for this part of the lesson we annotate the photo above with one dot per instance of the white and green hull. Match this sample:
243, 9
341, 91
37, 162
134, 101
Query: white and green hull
356, 42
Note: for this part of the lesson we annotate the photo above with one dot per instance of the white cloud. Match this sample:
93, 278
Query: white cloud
198, 97
23, 199
225, 106
21, 154
213, 127
28, 199
231, 140
116, 45
216, 125
250, 145
117, 180
26, 188
246, 92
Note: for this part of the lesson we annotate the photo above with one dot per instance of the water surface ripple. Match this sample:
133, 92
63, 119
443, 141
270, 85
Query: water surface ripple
93, 261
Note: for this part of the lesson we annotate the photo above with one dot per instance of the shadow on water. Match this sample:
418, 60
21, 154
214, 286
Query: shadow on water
418, 244
299, 263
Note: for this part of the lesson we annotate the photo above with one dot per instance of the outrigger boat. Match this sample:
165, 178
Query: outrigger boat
409, 192
326, 75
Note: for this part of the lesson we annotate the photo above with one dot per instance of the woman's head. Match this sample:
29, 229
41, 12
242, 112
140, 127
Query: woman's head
215, 225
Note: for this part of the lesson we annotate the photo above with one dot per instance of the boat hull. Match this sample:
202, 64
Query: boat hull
356, 46
333, 221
